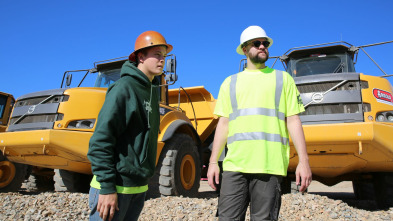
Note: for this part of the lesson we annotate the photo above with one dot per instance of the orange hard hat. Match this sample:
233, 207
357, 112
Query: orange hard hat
149, 39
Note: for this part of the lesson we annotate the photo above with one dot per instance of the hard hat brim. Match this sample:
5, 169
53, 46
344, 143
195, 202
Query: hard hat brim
132, 56
239, 48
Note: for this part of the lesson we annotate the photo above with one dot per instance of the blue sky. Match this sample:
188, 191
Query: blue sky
40, 40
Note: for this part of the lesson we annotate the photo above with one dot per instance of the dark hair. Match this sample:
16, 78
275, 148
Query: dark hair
245, 44
143, 51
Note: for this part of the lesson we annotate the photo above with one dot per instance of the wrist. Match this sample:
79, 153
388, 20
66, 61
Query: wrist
303, 157
304, 160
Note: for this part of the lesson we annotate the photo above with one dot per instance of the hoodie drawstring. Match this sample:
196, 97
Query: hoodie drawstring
148, 112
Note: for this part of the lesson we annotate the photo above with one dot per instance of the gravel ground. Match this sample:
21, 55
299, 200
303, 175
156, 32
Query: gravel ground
25, 205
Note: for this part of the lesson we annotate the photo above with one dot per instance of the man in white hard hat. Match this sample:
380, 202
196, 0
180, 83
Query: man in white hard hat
257, 108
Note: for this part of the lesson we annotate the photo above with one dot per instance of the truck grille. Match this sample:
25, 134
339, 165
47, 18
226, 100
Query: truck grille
38, 118
332, 98
37, 100
324, 86
37, 110
332, 109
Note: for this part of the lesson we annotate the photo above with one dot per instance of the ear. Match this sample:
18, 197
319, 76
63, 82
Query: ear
244, 50
141, 58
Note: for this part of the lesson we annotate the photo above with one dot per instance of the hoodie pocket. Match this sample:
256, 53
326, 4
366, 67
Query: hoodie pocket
132, 159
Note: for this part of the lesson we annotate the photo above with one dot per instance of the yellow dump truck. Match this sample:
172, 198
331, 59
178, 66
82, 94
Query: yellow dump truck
52, 129
9, 180
348, 122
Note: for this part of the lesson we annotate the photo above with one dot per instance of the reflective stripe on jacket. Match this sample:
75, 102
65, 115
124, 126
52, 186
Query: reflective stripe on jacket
271, 112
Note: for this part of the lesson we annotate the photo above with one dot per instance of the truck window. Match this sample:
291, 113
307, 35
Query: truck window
320, 64
107, 77
3, 103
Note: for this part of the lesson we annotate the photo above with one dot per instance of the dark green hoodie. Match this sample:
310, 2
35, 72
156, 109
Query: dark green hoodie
123, 148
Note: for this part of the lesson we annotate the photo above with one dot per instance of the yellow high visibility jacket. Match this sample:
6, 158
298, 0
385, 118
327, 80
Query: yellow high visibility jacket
257, 103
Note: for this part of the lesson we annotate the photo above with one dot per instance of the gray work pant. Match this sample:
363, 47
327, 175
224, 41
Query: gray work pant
238, 190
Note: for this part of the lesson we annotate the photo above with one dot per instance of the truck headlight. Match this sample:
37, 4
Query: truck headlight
82, 124
386, 116
380, 117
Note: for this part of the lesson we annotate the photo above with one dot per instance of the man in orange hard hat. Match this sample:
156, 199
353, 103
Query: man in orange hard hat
123, 148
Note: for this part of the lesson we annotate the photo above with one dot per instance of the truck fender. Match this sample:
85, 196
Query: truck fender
185, 127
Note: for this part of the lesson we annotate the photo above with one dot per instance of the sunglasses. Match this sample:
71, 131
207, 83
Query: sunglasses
258, 43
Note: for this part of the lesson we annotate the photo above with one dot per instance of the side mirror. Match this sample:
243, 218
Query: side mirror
171, 65
68, 79
171, 76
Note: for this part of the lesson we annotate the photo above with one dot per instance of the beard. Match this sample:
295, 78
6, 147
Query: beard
256, 59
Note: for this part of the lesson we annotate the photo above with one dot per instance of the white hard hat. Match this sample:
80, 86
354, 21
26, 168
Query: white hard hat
252, 32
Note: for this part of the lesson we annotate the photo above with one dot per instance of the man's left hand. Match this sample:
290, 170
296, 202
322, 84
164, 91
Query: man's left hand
303, 176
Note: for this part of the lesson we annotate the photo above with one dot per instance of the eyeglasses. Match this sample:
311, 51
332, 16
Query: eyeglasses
258, 43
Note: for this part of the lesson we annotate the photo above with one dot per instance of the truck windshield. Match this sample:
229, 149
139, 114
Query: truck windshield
320, 64
3, 102
107, 77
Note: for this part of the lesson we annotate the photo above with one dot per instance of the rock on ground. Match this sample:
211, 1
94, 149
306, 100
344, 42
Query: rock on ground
74, 206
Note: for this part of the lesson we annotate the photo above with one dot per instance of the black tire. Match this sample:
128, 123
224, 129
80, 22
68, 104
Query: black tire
154, 186
12, 175
180, 172
363, 190
67, 181
289, 186
39, 183
383, 187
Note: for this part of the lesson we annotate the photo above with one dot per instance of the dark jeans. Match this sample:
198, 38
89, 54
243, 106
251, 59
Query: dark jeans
238, 190
130, 205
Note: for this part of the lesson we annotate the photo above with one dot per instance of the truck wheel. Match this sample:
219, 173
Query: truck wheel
383, 187
363, 190
154, 186
71, 181
288, 186
12, 175
39, 183
180, 172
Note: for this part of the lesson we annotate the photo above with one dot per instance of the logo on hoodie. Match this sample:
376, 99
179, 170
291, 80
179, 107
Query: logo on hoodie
147, 106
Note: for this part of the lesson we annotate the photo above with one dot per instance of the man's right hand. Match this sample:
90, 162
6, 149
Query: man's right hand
107, 204
213, 175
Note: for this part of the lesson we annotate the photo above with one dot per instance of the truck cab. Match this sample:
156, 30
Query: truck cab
329, 85
348, 120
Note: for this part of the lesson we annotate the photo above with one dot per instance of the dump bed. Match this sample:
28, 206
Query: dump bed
198, 105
